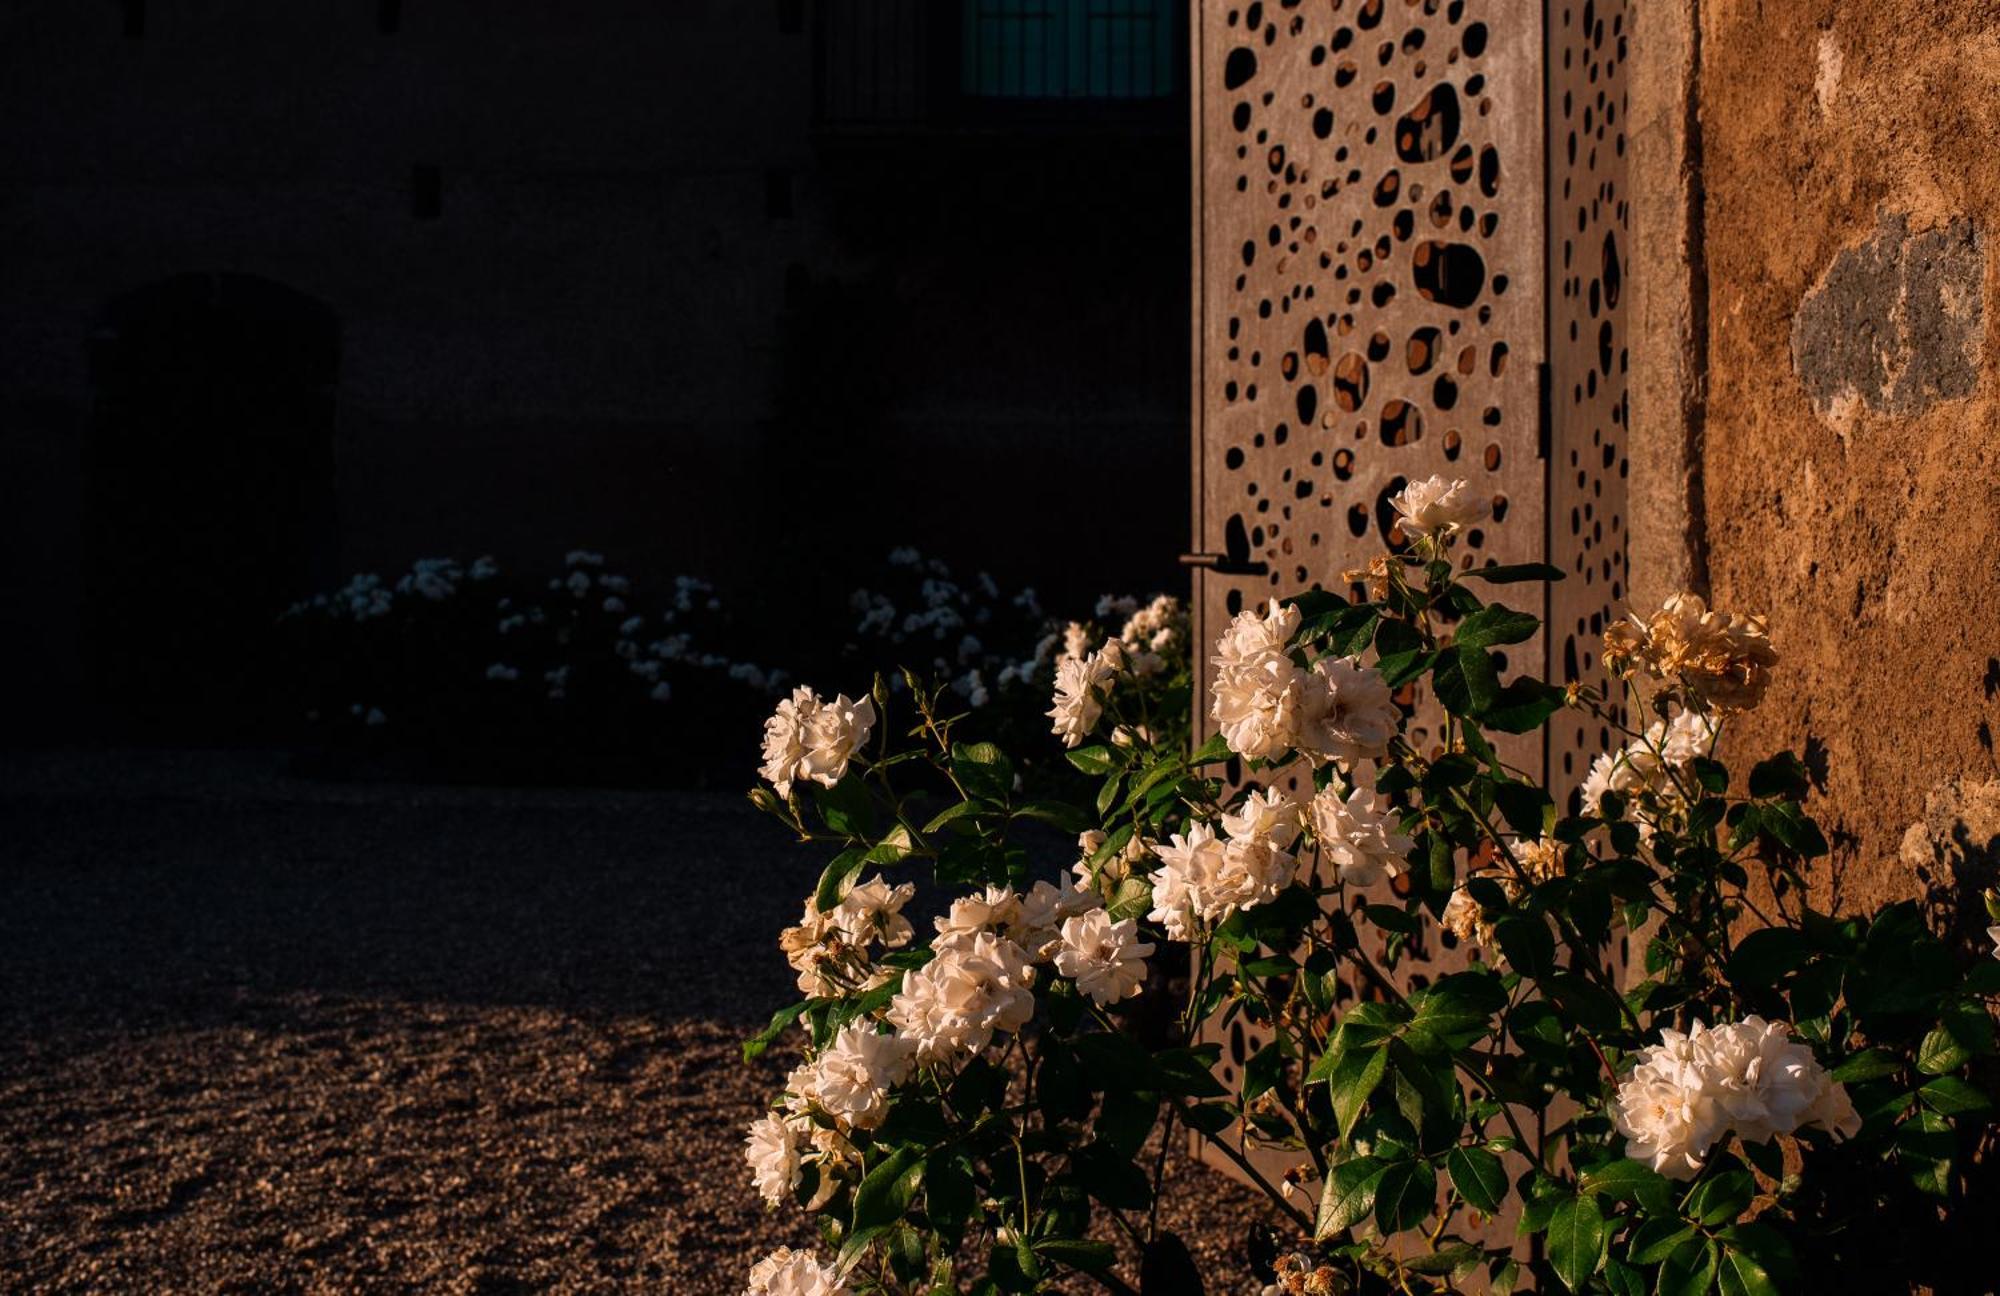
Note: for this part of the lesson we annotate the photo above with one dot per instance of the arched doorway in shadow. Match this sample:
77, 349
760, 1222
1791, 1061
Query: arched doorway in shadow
210, 505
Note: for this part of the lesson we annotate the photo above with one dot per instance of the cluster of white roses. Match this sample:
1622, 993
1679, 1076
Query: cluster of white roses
985, 960
1152, 634
831, 951
827, 1098
1203, 878
1646, 766
1722, 658
786, 1272
1748, 1078
1266, 704
1153, 637
807, 739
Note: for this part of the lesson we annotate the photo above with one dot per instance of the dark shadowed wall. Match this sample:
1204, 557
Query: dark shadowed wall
686, 282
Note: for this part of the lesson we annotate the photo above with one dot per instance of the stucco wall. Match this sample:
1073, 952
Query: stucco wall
1835, 280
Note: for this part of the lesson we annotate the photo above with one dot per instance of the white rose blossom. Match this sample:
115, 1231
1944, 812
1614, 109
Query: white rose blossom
1203, 878
1269, 816
872, 911
1106, 959
786, 1272
977, 983
1690, 1090
1435, 506
1043, 910
1359, 840
772, 1150
1265, 704
993, 909
1081, 683
1679, 741
1663, 1109
851, 1079
807, 739
1352, 713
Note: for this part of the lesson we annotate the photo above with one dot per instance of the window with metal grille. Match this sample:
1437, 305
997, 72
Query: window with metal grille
901, 63
1069, 49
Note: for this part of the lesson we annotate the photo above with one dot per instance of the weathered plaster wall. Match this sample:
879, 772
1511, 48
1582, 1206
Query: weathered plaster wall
1847, 450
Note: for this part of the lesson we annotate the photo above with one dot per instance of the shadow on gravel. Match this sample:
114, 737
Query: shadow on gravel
191, 899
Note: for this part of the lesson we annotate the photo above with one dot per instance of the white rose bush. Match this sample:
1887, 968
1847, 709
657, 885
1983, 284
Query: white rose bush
1656, 1069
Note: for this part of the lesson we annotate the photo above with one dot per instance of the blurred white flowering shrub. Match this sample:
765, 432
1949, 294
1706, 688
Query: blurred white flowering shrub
998, 655
983, 1096
453, 654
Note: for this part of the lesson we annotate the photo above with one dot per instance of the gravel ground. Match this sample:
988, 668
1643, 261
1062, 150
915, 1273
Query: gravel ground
265, 1035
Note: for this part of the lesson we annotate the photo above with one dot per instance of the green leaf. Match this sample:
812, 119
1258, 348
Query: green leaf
1263, 1071
1983, 979
846, 806
1132, 899
1940, 1052
1524, 806
1767, 954
984, 771
1189, 1072
1478, 1176
949, 1194
1623, 1279
1740, 1275
1349, 1195
1351, 1082
1656, 1239
1525, 940
840, 872
1764, 1248
1495, 624
887, 1190
1793, 828
1721, 1198
1098, 759
1215, 749
1458, 1009
1634, 1181
1783, 775
1578, 1233
1870, 1064
1058, 814
1924, 1147
1208, 1118
952, 814
1404, 1196
1513, 573
1077, 1254
1689, 1270
1110, 1176
755, 1046
1126, 1117
1167, 1268
1523, 706
1482, 679
1712, 776
1951, 1096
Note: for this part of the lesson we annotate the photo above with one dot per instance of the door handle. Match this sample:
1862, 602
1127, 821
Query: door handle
1223, 565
